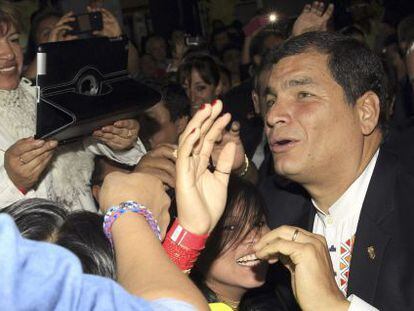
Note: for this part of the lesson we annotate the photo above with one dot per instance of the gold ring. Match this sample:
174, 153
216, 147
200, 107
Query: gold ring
222, 172
23, 162
295, 235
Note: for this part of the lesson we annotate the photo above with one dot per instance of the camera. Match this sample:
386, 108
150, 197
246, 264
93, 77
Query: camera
86, 23
194, 41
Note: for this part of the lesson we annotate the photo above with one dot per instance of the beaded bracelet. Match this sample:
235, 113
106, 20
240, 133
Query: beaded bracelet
115, 212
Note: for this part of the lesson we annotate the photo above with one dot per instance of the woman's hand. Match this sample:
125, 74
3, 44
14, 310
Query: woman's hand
59, 32
121, 135
201, 194
26, 160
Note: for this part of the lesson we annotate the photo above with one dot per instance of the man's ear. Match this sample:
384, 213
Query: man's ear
368, 107
181, 124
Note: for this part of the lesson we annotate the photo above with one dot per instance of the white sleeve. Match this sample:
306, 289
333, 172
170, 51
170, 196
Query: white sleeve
8, 191
129, 157
357, 304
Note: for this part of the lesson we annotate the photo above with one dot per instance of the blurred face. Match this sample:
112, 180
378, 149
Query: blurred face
158, 49
312, 131
199, 91
148, 66
11, 58
221, 40
237, 270
232, 60
44, 29
169, 130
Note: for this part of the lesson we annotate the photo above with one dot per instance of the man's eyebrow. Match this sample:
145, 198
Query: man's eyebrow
298, 82
270, 91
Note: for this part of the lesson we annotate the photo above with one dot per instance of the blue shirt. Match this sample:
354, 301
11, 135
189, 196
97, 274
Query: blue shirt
43, 276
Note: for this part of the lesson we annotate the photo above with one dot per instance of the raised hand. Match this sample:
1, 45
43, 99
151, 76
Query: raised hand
313, 18
121, 135
26, 160
111, 27
201, 194
59, 32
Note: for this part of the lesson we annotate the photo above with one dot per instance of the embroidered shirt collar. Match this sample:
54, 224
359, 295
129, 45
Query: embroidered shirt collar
350, 202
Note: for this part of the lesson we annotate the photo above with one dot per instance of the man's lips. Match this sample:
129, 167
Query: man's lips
282, 144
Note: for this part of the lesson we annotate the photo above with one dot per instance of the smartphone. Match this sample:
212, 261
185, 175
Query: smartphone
86, 23
255, 24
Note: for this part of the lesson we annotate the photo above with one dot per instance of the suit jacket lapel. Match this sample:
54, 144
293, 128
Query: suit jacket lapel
371, 238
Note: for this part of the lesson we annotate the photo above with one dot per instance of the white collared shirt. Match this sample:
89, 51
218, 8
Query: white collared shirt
339, 227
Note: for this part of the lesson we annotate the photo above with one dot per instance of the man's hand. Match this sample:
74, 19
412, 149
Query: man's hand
121, 135
159, 162
313, 18
26, 160
142, 188
307, 257
233, 135
111, 28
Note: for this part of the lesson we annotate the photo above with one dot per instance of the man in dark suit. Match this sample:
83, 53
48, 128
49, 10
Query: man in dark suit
326, 107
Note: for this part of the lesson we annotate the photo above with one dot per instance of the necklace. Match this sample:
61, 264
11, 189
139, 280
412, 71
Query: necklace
234, 304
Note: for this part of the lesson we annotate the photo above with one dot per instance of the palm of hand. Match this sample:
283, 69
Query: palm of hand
240, 152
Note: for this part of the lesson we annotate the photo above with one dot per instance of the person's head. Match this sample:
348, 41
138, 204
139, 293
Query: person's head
37, 219
199, 74
82, 234
231, 58
42, 23
262, 42
326, 102
227, 264
102, 167
156, 47
11, 56
405, 32
171, 113
219, 39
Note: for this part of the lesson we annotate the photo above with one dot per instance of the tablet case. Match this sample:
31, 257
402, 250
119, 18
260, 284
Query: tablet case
84, 85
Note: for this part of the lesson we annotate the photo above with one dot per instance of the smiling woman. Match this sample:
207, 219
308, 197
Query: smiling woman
37, 168
228, 269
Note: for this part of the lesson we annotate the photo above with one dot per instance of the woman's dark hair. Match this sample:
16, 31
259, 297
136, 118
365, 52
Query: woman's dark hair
205, 65
352, 64
243, 213
82, 233
37, 219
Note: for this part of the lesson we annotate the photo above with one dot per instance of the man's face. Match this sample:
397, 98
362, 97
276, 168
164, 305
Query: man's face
311, 129
11, 58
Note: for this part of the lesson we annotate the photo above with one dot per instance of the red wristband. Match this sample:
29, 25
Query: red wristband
182, 246
181, 236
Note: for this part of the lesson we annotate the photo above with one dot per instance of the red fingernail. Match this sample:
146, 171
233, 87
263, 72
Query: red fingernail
214, 102
192, 131
202, 106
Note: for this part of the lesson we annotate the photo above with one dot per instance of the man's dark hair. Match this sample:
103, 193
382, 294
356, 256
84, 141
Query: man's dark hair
353, 65
176, 101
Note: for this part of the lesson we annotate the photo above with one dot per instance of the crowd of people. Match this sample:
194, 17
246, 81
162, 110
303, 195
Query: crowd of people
275, 173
